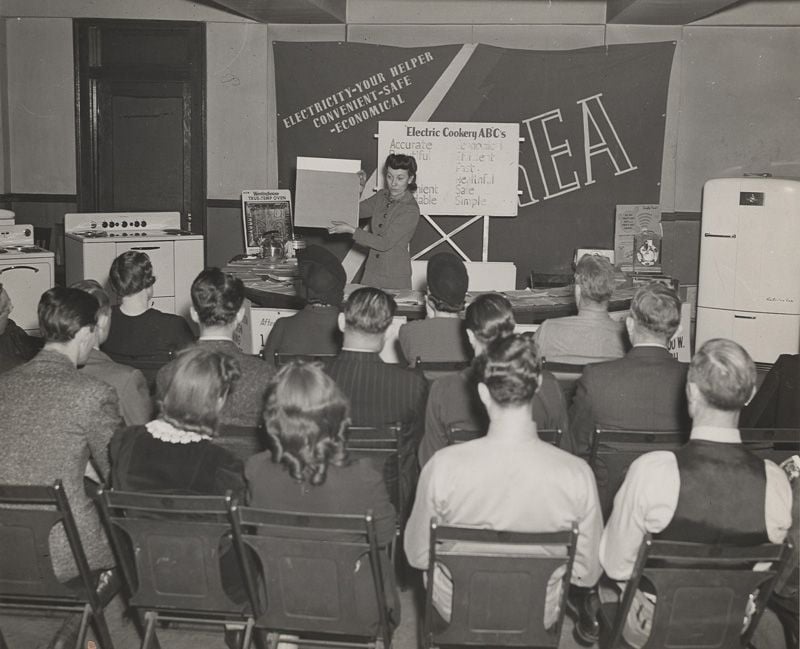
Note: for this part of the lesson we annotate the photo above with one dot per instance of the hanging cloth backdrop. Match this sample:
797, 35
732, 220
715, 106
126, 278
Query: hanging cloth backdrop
592, 121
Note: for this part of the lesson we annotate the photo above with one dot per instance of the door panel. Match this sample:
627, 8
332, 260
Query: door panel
144, 148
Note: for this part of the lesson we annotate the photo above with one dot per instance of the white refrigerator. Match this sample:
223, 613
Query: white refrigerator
749, 281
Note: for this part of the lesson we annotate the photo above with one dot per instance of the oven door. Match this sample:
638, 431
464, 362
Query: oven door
162, 255
25, 281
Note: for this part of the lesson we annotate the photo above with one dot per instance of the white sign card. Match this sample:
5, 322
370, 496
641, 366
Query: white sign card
264, 210
327, 190
463, 168
681, 344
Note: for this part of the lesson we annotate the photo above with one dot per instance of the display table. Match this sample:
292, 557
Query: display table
530, 307
274, 291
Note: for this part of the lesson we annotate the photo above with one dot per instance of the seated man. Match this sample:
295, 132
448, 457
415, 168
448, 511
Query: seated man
141, 336
16, 346
591, 335
776, 404
453, 399
380, 393
712, 490
645, 389
135, 404
217, 308
53, 419
314, 329
440, 336
511, 480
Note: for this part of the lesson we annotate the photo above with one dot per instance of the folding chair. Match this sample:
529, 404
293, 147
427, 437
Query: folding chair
457, 434
567, 375
27, 578
435, 369
499, 585
382, 444
168, 548
322, 573
613, 451
776, 444
281, 358
701, 593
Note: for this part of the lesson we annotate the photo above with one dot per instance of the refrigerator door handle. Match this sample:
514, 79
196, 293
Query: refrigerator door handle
744, 317
719, 236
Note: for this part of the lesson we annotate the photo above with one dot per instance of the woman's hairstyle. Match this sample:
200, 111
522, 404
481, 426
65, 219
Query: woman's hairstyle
195, 381
217, 297
510, 368
131, 273
306, 415
63, 312
406, 162
489, 316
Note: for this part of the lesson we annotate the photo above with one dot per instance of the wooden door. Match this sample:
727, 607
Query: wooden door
141, 117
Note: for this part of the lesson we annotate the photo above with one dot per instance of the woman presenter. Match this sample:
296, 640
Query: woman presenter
395, 214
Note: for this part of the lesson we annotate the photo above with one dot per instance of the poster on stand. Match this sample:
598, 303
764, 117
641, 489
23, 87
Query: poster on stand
265, 210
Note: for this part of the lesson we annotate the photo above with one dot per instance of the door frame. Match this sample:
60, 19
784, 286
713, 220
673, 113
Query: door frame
89, 71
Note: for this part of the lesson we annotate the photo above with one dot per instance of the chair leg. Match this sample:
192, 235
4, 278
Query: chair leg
150, 628
101, 630
3, 644
248, 633
87, 614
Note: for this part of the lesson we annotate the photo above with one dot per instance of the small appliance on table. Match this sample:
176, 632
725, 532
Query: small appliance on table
26, 271
93, 240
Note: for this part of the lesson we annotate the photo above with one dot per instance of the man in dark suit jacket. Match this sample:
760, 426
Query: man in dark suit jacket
643, 390
380, 393
217, 308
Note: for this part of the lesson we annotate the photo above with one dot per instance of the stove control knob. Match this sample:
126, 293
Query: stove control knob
27, 232
104, 224
136, 223
124, 224
144, 224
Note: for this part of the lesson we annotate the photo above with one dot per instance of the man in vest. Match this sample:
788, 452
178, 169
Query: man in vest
712, 490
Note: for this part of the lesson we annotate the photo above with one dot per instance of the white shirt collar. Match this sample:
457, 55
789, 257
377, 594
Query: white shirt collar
659, 345
166, 432
215, 338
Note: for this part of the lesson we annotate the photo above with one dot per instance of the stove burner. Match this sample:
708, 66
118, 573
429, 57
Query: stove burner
3, 251
177, 231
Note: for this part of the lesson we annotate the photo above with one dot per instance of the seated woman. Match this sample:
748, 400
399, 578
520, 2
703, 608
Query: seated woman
141, 336
175, 453
308, 469
453, 399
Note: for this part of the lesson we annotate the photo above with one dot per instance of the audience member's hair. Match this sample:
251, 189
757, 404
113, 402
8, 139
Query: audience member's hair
510, 368
595, 275
306, 415
217, 297
724, 373
94, 288
195, 381
131, 273
490, 316
63, 312
407, 163
657, 308
447, 282
369, 310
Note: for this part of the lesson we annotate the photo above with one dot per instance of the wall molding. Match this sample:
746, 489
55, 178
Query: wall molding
224, 202
38, 198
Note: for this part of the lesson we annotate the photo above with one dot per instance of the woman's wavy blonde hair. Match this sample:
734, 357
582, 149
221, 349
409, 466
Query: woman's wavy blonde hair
306, 416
